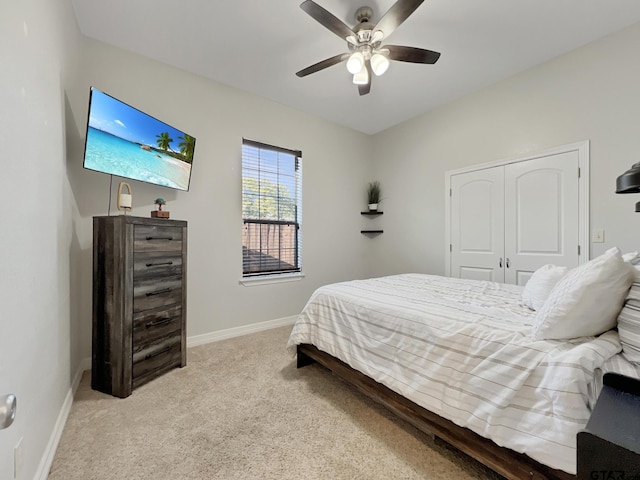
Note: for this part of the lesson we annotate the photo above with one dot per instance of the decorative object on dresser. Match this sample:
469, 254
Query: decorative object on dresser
159, 213
125, 200
139, 301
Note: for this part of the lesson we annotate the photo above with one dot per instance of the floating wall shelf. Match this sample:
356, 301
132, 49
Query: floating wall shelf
371, 213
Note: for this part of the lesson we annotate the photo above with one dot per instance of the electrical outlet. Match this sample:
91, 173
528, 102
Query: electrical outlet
598, 235
17, 459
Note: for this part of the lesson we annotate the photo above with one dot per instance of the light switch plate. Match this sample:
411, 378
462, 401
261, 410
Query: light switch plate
598, 235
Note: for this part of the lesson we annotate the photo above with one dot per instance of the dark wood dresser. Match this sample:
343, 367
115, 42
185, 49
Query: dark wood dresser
139, 301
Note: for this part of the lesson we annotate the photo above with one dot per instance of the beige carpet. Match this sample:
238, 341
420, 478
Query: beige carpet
241, 410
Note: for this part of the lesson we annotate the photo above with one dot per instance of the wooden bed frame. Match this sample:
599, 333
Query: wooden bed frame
506, 462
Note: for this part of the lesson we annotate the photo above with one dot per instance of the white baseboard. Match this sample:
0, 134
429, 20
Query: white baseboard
50, 451
47, 458
239, 331
85, 365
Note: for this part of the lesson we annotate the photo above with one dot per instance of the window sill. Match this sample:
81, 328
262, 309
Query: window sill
268, 279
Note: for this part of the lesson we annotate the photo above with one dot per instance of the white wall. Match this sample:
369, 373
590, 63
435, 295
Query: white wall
50, 200
335, 164
38, 40
589, 94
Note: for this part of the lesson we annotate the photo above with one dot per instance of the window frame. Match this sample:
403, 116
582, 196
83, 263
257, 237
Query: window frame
266, 276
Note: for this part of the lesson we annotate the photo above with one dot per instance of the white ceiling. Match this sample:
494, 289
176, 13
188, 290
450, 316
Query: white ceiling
258, 45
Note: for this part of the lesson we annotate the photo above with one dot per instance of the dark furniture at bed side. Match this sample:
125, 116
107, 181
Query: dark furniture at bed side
506, 462
609, 446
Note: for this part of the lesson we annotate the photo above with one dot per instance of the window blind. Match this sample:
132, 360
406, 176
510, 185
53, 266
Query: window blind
271, 209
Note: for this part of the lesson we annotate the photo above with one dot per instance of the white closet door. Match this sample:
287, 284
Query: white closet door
541, 215
477, 225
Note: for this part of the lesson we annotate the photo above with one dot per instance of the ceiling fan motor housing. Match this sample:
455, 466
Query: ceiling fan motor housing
364, 14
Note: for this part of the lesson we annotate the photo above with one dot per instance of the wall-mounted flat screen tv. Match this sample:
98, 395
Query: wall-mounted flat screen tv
123, 141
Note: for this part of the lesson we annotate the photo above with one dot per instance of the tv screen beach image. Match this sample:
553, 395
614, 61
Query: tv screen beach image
126, 142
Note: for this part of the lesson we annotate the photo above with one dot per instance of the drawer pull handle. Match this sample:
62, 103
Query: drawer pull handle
160, 238
158, 292
158, 264
155, 354
155, 323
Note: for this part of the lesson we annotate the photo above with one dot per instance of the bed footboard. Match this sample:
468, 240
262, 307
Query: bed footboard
504, 461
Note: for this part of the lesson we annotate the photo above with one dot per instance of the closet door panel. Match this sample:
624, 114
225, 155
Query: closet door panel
541, 221
477, 222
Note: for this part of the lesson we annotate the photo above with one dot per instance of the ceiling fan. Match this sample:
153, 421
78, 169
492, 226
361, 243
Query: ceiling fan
366, 53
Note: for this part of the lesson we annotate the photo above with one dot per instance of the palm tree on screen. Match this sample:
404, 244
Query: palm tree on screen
187, 145
164, 140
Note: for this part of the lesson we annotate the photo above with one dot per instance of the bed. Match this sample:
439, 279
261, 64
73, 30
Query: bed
457, 359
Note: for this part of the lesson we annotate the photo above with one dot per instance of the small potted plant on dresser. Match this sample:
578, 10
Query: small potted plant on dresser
373, 195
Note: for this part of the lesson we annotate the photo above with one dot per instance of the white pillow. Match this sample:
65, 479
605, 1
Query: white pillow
629, 321
586, 301
540, 285
632, 257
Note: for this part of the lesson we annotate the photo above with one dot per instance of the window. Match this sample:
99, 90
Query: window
271, 209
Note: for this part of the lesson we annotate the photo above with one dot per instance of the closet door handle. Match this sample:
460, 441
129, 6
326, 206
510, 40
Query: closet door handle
507, 263
500, 262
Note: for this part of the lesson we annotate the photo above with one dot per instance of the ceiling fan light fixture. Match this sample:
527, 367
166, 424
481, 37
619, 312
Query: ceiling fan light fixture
377, 36
353, 40
362, 77
379, 63
355, 63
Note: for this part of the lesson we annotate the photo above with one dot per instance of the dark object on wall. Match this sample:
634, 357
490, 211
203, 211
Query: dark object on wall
629, 182
139, 301
124, 141
609, 447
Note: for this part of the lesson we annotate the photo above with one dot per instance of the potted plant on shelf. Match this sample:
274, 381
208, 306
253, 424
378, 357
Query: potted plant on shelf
373, 195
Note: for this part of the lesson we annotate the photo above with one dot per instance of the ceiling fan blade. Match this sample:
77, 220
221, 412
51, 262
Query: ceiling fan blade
366, 88
411, 54
397, 14
326, 19
316, 67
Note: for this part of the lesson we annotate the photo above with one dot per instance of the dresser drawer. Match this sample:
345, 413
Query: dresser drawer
156, 292
155, 360
156, 264
152, 238
152, 325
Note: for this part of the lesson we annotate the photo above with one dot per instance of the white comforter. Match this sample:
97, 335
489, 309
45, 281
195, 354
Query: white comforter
463, 349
